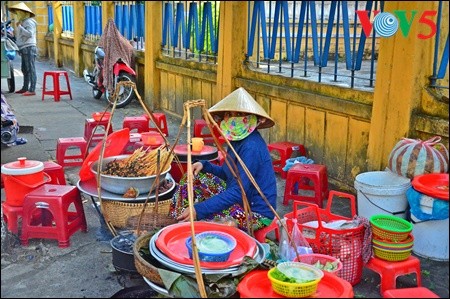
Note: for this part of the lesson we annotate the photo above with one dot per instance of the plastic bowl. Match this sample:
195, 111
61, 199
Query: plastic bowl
212, 246
296, 289
100, 116
313, 258
391, 255
407, 243
151, 138
390, 228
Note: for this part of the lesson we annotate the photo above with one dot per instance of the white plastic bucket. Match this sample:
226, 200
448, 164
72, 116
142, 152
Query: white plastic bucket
381, 192
431, 238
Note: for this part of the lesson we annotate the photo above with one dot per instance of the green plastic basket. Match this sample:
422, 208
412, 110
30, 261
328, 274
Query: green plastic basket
390, 228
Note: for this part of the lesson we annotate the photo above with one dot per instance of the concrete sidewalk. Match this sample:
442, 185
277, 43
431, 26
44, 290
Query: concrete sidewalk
85, 269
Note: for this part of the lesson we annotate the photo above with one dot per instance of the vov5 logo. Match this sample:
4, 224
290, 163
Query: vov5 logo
386, 24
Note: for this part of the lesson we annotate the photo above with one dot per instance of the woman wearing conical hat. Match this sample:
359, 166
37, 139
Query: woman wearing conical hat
241, 117
26, 42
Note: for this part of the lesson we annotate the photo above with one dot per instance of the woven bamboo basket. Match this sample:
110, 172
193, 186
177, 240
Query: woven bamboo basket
118, 213
142, 266
150, 222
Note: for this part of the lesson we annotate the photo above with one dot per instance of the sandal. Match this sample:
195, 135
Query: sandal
21, 140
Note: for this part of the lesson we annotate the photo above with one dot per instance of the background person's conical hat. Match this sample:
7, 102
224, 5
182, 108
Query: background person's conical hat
241, 101
21, 6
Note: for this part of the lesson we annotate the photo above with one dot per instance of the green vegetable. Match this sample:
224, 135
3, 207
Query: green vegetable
329, 266
278, 275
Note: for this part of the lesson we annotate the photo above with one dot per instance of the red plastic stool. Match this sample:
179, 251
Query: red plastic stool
139, 123
285, 150
91, 128
56, 92
62, 214
161, 122
64, 145
201, 130
418, 292
56, 172
389, 271
297, 181
11, 216
261, 234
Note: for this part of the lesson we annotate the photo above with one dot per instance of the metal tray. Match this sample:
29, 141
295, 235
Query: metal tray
89, 187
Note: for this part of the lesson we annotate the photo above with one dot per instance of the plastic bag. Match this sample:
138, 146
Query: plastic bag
439, 210
290, 162
286, 251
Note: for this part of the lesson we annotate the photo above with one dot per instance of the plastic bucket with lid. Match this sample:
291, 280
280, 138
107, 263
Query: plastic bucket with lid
381, 192
21, 177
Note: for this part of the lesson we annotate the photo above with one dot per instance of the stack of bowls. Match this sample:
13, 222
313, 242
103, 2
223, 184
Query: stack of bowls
392, 239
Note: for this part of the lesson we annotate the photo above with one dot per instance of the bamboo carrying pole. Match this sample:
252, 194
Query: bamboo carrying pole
231, 164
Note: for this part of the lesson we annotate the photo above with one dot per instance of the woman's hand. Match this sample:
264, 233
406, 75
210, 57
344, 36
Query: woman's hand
185, 215
197, 167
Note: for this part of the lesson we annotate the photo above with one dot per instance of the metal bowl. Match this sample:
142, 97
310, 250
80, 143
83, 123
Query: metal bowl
120, 185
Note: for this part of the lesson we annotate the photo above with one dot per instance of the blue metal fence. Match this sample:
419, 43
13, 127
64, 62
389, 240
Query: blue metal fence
129, 17
313, 40
440, 62
50, 17
67, 19
93, 20
190, 29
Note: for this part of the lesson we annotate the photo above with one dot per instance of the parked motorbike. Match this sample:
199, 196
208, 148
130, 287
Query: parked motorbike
10, 48
122, 72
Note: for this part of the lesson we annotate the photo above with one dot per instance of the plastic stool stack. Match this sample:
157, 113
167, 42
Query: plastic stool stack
298, 184
11, 216
56, 172
61, 210
161, 122
201, 130
418, 292
56, 92
91, 128
64, 146
285, 150
137, 124
389, 271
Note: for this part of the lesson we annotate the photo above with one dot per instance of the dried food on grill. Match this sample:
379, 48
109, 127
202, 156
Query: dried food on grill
140, 163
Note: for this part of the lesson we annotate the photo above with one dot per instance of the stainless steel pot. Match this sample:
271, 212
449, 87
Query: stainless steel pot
120, 185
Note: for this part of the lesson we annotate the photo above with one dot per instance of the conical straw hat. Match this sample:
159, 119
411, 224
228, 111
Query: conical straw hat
21, 6
241, 101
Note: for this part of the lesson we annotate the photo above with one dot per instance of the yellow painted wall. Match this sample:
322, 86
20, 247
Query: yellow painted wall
349, 131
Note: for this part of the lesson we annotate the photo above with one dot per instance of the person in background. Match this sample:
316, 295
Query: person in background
25, 34
217, 192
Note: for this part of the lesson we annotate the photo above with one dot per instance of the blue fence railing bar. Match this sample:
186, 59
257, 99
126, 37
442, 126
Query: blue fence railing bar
129, 17
190, 29
440, 61
93, 20
67, 19
50, 17
315, 40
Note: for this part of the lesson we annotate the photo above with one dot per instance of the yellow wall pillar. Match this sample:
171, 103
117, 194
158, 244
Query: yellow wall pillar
153, 40
107, 12
402, 69
57, 30
232, 45
78, 31
40, 10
